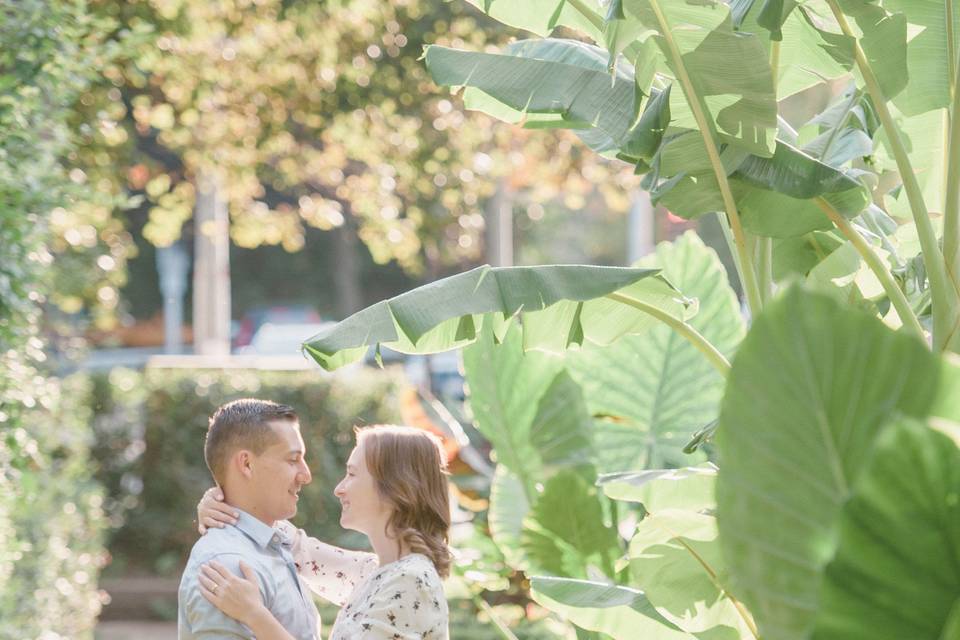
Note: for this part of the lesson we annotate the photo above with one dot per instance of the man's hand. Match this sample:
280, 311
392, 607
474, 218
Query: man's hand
212, 511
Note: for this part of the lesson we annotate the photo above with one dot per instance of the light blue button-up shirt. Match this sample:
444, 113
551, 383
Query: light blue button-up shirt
267, 551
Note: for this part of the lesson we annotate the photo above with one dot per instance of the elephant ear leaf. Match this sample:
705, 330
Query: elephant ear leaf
803, 368
899, 538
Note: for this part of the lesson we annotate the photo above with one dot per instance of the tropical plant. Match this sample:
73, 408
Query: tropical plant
823, 133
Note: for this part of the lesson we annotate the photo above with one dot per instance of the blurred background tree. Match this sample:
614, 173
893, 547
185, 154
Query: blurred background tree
318, 116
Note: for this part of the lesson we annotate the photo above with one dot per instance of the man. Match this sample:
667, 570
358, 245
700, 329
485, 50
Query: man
256, 455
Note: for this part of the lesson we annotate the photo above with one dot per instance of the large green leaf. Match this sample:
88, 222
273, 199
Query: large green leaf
540, 16
800, 254
509, 506
676, 558
773, 194
928, 86
620, 612
690, 488
658, 389
504, 387
769, 14
728, 71
563, 78
927, 137
793, 173
896, 572
810, 390
884, 42
804, 61
448, 313
527, 406
564, 533
560, 431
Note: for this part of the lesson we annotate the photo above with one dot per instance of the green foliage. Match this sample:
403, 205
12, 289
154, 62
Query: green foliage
54, 506
540, 412
150, 449
641, 389
565, 533
51, 519
676, 558
551, 300
619, 612
828, 515
892, 576
825, 125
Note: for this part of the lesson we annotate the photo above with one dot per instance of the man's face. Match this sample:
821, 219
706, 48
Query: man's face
280, 471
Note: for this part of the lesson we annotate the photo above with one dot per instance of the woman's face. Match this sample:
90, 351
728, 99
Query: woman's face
362, 507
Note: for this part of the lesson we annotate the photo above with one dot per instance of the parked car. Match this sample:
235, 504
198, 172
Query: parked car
438, 372
281, 339
256, 317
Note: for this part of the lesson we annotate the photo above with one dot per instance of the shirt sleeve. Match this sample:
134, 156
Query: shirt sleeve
202, 617
409, 605
330, 572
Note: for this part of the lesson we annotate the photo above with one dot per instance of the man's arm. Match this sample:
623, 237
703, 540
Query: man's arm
202, 617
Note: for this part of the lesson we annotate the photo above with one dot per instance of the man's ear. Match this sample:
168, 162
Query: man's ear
243, 462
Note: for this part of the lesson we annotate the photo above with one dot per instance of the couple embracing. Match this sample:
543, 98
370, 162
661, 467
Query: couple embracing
250, 575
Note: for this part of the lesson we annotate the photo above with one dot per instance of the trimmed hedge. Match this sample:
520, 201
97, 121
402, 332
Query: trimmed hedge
150, 433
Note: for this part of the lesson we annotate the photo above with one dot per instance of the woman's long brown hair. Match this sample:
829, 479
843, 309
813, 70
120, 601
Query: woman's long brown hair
409, 468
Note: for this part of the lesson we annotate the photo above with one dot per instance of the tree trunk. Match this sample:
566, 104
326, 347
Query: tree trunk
641, 226
211, 271
346, 269
499, 220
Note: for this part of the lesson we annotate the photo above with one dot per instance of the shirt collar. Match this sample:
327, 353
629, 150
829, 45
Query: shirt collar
255, 529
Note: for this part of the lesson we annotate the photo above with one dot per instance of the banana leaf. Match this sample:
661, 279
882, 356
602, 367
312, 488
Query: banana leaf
560, 305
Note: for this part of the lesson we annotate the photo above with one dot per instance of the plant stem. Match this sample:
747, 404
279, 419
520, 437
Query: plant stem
744, 614
764, 257
897, 298
944, 293
587, 13
951, 213
775, 63
745, 265
951, 45
703, 345
494, 618
763, 247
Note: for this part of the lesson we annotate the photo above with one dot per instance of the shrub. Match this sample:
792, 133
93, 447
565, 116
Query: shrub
49, 570
50, 515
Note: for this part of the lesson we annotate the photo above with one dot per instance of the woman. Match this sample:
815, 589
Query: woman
395, 492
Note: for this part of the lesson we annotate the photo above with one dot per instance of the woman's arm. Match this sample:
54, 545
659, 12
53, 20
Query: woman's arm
266, 627
240, 599
330, 572
213, 512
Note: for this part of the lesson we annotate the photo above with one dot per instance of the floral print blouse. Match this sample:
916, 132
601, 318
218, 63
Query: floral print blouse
402, 600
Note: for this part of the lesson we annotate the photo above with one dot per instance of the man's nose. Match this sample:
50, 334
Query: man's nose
305, 476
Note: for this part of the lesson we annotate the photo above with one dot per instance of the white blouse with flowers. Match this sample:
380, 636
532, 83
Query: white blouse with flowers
402, 600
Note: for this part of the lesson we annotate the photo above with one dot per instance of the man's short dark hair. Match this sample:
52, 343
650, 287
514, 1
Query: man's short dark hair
241, 424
